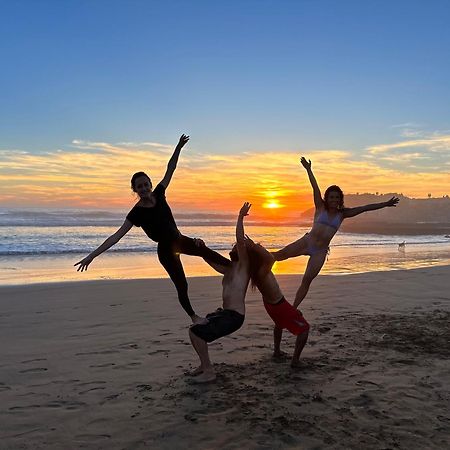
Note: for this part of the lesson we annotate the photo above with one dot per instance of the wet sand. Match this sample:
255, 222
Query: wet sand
99, 365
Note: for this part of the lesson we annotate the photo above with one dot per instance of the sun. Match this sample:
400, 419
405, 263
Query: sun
272, 201
272, 204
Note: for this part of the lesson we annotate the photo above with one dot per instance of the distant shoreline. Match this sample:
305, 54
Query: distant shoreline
387, 228
380, 227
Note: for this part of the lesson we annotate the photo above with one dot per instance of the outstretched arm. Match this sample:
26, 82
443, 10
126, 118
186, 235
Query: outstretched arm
352, 212
240, 235
113, 239
172, 164
318, 202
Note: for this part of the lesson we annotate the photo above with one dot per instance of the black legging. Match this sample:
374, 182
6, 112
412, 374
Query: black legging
169, 257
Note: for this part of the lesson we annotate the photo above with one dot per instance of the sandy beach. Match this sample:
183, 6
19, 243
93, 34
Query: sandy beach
100, 365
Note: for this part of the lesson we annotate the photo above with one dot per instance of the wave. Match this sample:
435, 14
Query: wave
216, 247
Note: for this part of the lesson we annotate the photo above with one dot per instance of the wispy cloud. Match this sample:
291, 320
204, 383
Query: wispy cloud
435, 143
97, 174
427, 153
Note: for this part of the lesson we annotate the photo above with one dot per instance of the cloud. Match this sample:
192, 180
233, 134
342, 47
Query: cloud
427, 153
97, 174
427, 144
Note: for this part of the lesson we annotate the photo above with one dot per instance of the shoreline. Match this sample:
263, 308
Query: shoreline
341, 261
197, 278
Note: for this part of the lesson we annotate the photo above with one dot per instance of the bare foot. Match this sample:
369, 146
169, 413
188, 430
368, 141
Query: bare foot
279, 355
205, 377
197, 320
195, 372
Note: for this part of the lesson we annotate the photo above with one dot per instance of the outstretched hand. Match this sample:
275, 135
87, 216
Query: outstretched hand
84, 263
183, 141
393, 201
305, 163
245, 209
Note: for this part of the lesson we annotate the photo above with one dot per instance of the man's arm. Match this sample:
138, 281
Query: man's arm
352, 212
318, 202
240, 235
172, 164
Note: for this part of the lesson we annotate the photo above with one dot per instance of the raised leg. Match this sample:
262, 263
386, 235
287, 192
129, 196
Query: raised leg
296, 248
187, 246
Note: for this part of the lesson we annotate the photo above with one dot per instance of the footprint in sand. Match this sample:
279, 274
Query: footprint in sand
33, 360
365, 382
92, 437
127, 366
324, 329
54, 404
154, 352
87, 383
34, 370
143, 387
103, 352
129, 345
4, 387
102, 365
99, 388
93, 388
408, 362
97, 325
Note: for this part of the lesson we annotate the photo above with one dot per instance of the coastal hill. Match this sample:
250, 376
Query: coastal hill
411, 216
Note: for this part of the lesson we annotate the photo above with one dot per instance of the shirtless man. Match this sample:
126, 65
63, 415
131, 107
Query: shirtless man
229, 318
279, 309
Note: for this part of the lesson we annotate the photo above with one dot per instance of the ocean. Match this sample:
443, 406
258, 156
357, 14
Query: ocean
42, 246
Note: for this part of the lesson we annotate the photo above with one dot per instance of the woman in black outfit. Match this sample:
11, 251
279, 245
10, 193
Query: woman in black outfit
153, 214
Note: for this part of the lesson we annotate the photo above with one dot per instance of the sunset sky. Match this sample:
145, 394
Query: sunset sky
92, 91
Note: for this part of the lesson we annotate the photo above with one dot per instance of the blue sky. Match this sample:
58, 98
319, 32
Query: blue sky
365, 81
236, 75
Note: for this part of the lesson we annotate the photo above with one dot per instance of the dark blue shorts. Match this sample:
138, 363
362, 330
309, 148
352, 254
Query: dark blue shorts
220, 323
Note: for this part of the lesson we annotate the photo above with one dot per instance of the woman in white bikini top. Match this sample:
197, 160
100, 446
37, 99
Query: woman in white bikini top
328, 217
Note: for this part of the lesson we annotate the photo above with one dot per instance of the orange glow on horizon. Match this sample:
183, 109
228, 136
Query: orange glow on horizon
97, 175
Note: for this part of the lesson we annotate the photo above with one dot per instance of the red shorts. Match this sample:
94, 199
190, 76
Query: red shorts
286, 316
